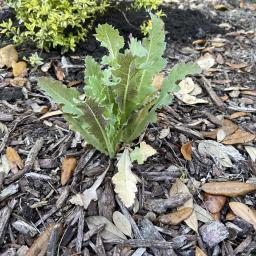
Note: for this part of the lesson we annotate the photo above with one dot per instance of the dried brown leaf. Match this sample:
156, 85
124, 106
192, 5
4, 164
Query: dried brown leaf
214, 203
186, 151
19, 81
67, 169
174, 218
239, 137
228, 188
236, 66
180, 187
14, 159
59, 72
19, 68
238, 114
244, 212
199, 252
39, 246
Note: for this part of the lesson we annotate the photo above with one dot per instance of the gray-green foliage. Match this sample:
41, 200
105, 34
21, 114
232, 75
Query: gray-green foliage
120, 99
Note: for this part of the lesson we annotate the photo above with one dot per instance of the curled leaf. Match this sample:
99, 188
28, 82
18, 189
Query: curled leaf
186, 151
67, 169
8, 55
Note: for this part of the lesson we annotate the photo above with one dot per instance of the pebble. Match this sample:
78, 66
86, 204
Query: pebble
213, 233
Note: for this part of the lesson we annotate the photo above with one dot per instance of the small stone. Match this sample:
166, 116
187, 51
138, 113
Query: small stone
213, 233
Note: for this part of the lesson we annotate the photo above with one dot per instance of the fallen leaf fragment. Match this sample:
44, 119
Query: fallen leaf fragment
174, 218
142, 153
206, 61
14, 159
236, 66
202, 214
109, 232
238, 114
229, 188
180, 187
40, 245
222, 154
244, 212
67, 169
59, 72
8, 55
18, 81
124, 180
239, 137
186, 151
122, 223
157, 81
19, 68
214, 203
252, 152
220, 7
190, 99
50, 114
89, 194
199, 252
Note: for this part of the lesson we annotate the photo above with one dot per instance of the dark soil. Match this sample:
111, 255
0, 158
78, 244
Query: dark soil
38, 198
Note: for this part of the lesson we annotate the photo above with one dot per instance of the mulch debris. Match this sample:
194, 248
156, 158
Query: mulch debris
36, 215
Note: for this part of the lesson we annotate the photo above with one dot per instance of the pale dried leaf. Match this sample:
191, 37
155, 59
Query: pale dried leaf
8, 55
90, 194
222, 154
252, 152
77, 199
122, 223
180, 187
244, 212
164, 133
125, 181
142, 153
202, 214
190, 99
199, 252
50, 114
186, 86
109, 232
4, 165
206, 61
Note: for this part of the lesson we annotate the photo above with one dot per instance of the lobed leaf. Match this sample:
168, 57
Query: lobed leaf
61, 95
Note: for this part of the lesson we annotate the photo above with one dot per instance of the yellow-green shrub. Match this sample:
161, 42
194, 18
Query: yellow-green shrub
58, 23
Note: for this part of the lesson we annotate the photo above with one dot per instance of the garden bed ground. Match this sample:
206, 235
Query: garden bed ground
33, 198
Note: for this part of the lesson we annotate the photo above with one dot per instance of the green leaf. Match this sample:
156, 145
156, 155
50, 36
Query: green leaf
61, 94
80, 125
125, 89
98, 125
178, 72
136, 48
138, 122
110, 39
153, 62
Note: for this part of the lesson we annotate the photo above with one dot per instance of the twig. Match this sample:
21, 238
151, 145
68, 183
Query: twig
215, 98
